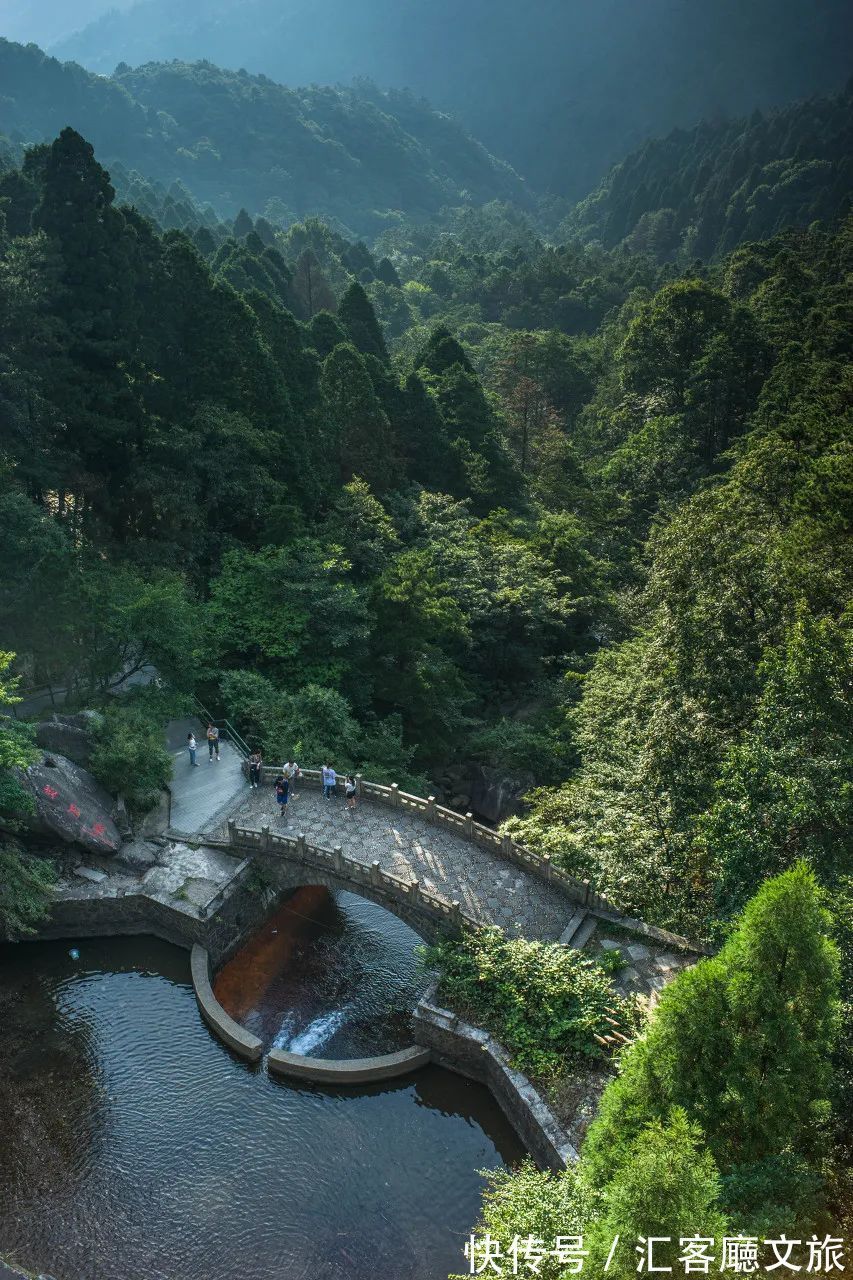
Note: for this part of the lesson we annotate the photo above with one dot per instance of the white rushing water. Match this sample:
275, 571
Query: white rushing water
315, 1034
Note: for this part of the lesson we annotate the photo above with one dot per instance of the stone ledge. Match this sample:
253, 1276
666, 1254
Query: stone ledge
224, 1026
386, 1066
474, 1053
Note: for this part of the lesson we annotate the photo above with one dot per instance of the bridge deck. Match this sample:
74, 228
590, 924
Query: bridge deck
487, 887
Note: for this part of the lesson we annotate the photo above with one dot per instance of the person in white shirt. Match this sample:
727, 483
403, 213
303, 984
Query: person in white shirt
192, 747
291, 772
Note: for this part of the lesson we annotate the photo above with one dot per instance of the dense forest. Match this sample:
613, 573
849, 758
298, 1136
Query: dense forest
559, 88
357, 154
698, 193
464, 495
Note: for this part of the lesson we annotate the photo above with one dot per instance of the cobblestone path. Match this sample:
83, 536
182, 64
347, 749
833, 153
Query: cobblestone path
487, 887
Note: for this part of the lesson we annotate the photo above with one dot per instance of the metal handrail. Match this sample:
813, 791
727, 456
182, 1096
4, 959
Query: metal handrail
221, 722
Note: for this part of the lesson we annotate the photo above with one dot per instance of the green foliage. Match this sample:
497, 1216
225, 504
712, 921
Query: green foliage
669, 1186
26, 885
543, 1001
742, 1043
129, 758
356, 154
786, 789
698, 193
16, 749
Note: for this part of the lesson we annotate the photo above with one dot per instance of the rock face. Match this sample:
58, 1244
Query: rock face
494, 795
69, 736
70, 804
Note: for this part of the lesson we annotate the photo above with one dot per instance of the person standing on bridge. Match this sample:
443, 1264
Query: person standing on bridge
192, 747
282, 794
350, 790
291, 772
212, 743
330, 782
255, 762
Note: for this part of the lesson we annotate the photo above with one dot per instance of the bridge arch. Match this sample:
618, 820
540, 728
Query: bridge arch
291, 862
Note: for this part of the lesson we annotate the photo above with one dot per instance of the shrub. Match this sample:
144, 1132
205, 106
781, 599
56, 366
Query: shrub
544, 1002
130, 758
25, 891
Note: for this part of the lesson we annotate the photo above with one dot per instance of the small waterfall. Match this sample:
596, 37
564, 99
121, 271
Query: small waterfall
317, 1032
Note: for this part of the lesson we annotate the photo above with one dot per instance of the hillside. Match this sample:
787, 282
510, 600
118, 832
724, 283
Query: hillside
701, 192
560, 88
357, 155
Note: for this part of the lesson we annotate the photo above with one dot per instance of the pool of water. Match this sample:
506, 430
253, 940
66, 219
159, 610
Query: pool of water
331, 976
135, 1146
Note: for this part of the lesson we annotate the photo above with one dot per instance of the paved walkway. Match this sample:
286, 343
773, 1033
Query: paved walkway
487, 887
201, 795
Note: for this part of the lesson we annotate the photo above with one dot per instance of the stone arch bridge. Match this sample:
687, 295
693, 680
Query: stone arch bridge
435, 868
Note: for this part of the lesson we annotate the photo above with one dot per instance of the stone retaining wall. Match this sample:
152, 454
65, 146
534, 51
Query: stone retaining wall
385, 1066
220, 930
221, 1023
473, 1052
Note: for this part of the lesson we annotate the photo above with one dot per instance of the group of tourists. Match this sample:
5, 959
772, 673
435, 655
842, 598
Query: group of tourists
284, 784
212, 746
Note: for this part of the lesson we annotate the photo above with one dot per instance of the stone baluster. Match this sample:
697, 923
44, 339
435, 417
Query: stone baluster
374, 872
337, 857
232, 830
430, 809
358, 785
300, 845
265, 836
469, 826
395, 795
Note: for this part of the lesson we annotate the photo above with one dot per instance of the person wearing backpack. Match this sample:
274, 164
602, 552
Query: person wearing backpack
282, 794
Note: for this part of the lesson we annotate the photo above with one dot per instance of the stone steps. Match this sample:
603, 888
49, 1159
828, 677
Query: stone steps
572, 927
579, 930
585, 932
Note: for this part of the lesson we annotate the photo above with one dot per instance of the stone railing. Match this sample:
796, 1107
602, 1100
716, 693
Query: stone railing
408, 894
464, 826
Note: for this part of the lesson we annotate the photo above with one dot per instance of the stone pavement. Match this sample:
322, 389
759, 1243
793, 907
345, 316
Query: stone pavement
486, 886
200, 796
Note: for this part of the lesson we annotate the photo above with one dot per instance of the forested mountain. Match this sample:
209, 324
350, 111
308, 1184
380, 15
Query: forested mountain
458, 500
701, 192
237, 140
560, 88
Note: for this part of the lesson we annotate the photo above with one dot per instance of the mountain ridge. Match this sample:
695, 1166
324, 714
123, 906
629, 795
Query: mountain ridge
357, 155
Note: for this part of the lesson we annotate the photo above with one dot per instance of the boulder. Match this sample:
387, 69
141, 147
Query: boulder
70, 804
121, 818
65, 740
139, 855
495, 795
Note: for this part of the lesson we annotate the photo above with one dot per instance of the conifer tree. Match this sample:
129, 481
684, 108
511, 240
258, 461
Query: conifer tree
325, 333
742, 1042
387, 272
359, 319
363, 440
243, 225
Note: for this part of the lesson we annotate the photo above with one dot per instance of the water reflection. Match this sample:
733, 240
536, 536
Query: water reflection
135, 1147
